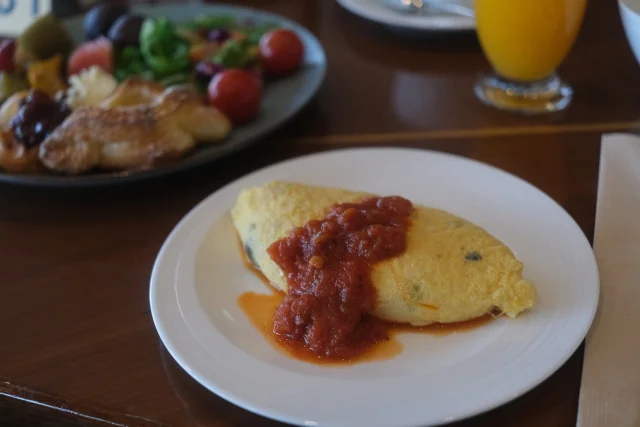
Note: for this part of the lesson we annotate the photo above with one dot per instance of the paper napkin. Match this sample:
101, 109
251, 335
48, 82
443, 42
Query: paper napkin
610, 390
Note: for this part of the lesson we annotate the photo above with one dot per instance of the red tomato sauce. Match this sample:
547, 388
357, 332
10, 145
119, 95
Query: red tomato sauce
328, 265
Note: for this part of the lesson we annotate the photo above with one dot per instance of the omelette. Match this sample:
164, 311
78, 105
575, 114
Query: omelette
451, 270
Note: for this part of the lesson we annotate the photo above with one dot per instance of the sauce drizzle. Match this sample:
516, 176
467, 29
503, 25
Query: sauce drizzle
260, 308
263, 309
327, 264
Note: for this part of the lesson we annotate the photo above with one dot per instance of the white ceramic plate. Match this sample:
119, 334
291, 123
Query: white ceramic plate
282, 98
199, 275
375, 10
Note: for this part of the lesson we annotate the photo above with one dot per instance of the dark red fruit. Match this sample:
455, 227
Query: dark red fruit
38, 116
7, 51
281, 52
98, 52
237, 94
205, 70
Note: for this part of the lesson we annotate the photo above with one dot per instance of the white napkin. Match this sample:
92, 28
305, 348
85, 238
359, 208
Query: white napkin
610, 390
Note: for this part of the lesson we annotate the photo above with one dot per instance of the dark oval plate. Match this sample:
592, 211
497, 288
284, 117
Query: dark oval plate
282, 99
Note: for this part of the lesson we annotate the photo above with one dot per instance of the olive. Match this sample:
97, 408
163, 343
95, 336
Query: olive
100, 18
44, 38
126, 31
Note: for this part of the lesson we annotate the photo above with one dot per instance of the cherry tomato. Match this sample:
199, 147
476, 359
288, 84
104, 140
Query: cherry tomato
236, 93
281, 52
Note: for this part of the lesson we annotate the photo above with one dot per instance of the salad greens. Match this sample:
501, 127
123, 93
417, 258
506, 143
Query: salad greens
252, 31
255, 33
164, 52
162, 49
130, 63
175, 79
236, 54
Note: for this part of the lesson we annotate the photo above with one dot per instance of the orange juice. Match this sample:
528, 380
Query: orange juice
525, 40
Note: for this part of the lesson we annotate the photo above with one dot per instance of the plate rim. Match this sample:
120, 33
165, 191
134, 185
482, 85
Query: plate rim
429, 24
191, 160
168, 342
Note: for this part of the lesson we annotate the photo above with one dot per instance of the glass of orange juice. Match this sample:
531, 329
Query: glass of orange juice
525, 41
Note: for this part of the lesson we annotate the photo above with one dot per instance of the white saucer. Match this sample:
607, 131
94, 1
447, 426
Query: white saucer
199, 275
435, 21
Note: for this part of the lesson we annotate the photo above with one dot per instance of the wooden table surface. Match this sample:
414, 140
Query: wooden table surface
78, 343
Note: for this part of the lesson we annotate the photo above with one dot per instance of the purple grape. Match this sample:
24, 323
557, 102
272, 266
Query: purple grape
99, 19
37, 117
207, 69
218, 35
126, 31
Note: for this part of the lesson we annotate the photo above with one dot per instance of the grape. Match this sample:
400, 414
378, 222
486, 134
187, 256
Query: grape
38, 116
7, 51
126, 31
99, 19
205, 70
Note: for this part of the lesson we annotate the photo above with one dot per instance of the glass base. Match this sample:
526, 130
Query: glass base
545, 96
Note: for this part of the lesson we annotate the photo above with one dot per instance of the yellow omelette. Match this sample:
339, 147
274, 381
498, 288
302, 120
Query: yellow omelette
451, 271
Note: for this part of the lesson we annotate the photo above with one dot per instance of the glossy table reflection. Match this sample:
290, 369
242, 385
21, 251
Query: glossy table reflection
74, 311
78, 342
382, 82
